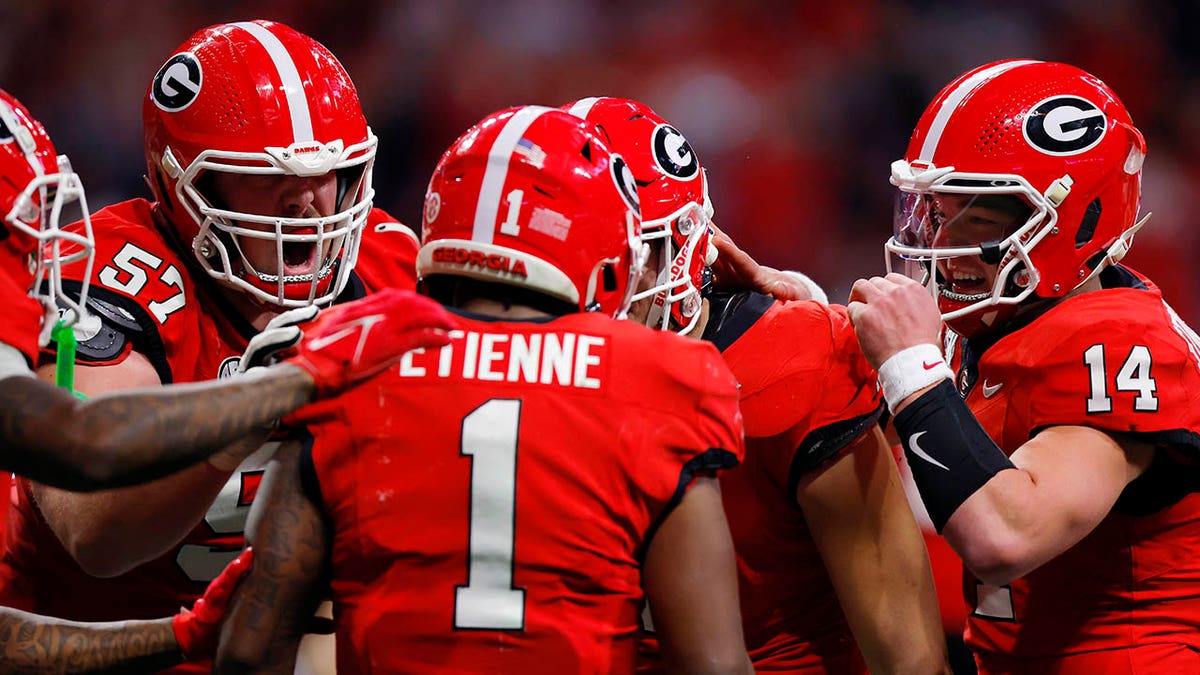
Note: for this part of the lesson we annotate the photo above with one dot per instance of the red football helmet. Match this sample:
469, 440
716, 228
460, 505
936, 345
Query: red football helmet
532, 197
35, 184
673, 190
1054, 140
258, 98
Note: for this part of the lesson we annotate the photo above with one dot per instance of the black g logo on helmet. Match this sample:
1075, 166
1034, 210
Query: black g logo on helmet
1065, 125
673, 153
177, 83
623, 177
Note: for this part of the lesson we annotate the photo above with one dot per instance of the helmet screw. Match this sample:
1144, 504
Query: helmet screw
1056, 288
690, 305
1054, 230
686, 225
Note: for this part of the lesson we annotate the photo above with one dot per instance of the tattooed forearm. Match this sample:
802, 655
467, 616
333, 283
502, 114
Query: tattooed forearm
36, 644
130, 437
279, 595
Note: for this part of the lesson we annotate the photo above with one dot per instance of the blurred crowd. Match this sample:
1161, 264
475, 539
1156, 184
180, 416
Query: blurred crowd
796, 107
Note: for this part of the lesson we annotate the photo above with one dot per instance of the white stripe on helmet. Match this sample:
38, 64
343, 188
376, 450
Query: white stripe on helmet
289, 77
488, 206
951, 102
22, 137
583, 106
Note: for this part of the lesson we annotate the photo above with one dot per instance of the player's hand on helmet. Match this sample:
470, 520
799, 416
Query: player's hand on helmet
197, 629
349, 343
891, 314
280, 334
736, 270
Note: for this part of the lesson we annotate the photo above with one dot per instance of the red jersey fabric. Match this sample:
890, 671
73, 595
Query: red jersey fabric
491, 500
153, 302
1120, 360
22, 318
806, 393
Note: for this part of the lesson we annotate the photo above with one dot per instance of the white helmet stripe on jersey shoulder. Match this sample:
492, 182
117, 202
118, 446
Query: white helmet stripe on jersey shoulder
951, 102
289, 77
499, 157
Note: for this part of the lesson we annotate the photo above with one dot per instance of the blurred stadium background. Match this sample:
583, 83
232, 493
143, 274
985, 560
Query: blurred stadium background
796, 108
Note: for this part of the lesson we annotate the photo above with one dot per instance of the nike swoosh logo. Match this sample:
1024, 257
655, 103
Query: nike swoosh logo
990, 391
930, 366
362, 326
916, 450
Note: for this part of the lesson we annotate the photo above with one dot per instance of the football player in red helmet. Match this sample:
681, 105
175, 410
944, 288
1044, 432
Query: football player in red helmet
550, 493
1058, 455
805, 515
46, 433
260, 162
676, 212
678, 222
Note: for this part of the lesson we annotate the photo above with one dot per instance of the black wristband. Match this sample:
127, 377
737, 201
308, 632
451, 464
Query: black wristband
949, 453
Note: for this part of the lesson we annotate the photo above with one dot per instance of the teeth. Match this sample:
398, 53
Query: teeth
298, 278
964, 297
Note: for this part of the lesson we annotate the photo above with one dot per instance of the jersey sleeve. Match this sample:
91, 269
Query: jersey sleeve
695, 430
140, 296
818, 393
23, 318
1138, 374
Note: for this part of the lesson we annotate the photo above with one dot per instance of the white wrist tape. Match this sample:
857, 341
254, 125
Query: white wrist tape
814, 289
911, 370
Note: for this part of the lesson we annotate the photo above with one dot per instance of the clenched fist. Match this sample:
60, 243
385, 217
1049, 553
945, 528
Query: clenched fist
891, 314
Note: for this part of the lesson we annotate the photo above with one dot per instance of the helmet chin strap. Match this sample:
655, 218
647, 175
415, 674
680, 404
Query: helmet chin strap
1118, 250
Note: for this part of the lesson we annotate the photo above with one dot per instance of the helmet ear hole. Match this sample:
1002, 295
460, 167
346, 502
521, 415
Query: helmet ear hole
610, 279
1087, 227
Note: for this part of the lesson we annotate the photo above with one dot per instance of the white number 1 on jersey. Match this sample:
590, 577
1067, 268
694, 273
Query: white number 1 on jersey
489, 601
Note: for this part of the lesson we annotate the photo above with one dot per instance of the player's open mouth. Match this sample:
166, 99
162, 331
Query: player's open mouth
965, 288
299, 257
299, 262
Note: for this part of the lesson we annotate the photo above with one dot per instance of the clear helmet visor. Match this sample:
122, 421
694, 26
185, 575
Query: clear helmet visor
970, 249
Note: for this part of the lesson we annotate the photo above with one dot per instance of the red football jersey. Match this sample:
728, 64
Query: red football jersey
178, 320
22, 318
491, 500
1121, 360
807, 391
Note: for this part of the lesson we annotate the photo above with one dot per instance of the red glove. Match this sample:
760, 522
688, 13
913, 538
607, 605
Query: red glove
197, 629
349, 343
